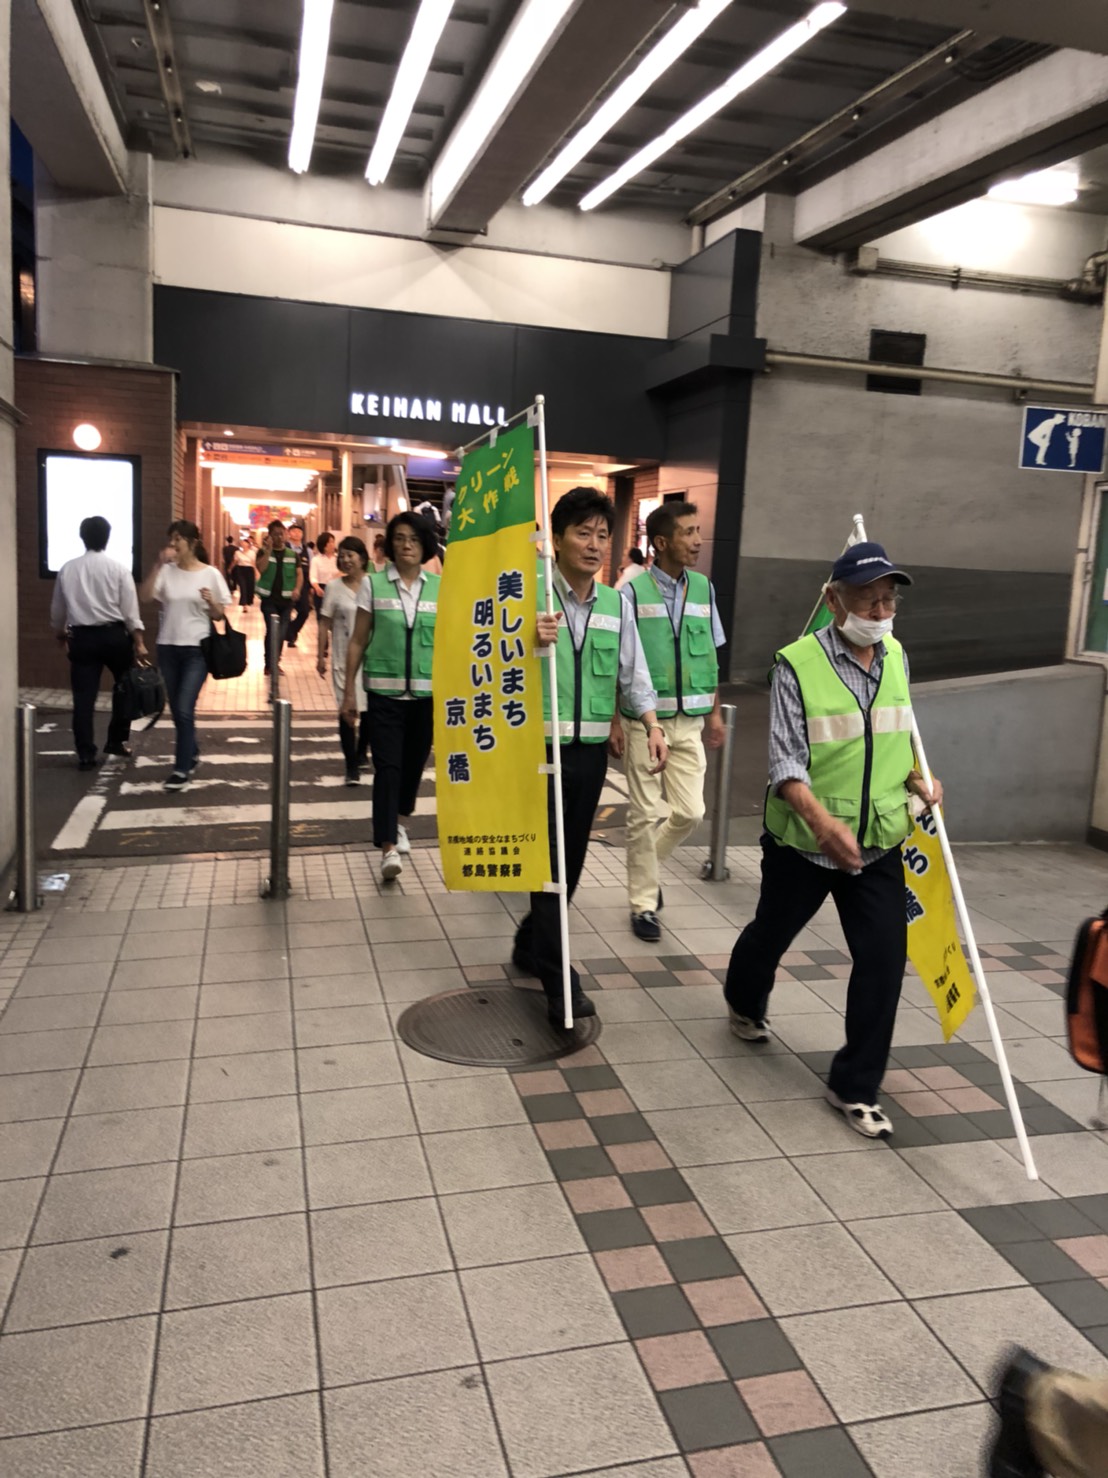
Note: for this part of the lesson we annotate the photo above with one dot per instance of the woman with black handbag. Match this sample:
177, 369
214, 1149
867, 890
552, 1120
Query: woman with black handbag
192, 594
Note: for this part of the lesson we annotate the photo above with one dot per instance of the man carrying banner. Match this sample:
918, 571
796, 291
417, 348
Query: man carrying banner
598, 652
841, 768
674, 609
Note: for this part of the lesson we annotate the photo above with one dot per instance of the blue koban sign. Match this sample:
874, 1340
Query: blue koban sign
1056, 440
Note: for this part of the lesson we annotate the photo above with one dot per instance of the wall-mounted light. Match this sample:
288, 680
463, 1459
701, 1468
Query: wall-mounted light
1044, 187
227, 431
86, 436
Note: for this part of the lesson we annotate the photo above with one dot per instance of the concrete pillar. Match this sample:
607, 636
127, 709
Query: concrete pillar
96, 269
347, 523
1098, 818
9, 678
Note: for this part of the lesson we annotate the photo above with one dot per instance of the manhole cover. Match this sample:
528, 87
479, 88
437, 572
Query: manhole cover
491, 1026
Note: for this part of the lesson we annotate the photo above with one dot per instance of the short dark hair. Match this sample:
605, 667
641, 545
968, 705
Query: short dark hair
95, 532
355, 546
635, 555
324, 542
419, 526
275, 523
661, 523
578, 506
296, 528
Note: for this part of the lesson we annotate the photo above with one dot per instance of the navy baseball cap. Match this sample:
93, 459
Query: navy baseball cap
862, 563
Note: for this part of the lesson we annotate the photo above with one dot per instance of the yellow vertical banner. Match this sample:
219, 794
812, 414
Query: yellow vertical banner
933, 943
487, 681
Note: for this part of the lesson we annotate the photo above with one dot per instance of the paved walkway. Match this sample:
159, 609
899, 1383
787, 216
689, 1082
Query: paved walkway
248, 1232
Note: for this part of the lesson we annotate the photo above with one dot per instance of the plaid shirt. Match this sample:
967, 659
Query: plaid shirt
788, 729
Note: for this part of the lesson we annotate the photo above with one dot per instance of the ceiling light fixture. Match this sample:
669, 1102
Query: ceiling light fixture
1043, 187
530, 34
315, 39
658, 59
429, 24
759, 66
86, 436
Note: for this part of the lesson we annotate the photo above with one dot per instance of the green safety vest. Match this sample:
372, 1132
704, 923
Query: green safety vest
587, 675
683, 663
398, 657
288, 561
858, 762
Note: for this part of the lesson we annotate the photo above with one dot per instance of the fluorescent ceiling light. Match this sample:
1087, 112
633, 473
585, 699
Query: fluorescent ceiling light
315, 38
429, 24
260, 478
755, 69
535, 25
1044, 187
658, 59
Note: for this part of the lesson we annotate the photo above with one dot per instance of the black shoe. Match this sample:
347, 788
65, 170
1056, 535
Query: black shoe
580, 1005
353, 778
646, 926
122, 750
88, 764
1012, 1455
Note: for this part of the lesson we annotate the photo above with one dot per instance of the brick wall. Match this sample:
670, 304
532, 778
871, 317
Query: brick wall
134, 410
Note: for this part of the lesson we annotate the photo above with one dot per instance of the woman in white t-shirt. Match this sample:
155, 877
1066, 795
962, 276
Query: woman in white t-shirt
322, 569
336, 623
192, 593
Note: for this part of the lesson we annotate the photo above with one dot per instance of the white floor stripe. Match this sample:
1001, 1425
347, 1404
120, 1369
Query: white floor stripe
165, 761
172, 815
321, 782
80, 825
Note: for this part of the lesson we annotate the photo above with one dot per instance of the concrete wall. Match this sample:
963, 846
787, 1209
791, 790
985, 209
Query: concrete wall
95, 270
1016, 752
934, 475
235, 226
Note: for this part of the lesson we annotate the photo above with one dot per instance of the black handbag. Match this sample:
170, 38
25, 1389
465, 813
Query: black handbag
225, 651
140, 693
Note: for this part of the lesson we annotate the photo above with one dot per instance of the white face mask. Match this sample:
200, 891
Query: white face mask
863, 632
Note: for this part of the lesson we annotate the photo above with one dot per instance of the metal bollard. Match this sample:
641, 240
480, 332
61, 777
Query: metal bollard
716, 869
277, 884
273, 641
27, 898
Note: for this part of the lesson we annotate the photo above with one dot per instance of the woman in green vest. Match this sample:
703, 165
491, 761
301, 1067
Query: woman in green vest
390, 651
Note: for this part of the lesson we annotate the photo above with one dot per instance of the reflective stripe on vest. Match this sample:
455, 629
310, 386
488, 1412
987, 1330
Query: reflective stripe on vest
587, 676
269, 574
399, 657
683, 664
858, 762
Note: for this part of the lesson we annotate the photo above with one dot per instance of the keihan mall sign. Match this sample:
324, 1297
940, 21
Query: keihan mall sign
423, 408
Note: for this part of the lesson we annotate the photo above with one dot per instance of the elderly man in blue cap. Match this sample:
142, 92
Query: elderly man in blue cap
841, 771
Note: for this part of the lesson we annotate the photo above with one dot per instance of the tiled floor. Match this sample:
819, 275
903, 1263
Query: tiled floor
245, 1231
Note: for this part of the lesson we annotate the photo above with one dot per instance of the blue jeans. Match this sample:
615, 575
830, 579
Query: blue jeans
185, 672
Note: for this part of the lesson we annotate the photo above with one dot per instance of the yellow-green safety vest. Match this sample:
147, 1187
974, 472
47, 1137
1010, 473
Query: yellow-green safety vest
858, 761
587, 675
683, 663
288, 560
398, 657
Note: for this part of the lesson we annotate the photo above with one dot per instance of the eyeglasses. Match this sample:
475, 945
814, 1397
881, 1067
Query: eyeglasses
876, 603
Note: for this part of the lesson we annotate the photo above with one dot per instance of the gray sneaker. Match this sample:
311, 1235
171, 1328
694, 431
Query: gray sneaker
747, 1028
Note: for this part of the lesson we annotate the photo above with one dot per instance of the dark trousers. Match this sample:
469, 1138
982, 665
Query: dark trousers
91, 649
871, 910
355, 742
538, 942
300, 613
400, 735
245, 576
282, 609
185, 673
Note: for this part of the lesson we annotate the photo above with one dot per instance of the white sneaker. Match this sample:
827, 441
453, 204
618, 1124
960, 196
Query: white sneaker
867, 1119
403, 845
391, 865
747, 1029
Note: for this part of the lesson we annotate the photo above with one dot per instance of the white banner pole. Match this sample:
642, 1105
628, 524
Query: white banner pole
975, 963
967, 932
857, 537
556, 742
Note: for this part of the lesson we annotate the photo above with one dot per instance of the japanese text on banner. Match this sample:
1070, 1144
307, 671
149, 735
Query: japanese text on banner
933, 944
487, 682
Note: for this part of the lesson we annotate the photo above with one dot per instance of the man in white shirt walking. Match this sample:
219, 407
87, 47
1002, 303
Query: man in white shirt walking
95, 613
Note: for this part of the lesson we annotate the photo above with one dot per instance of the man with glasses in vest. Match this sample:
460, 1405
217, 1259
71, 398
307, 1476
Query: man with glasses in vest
598, 650
841, 773
280, 580
674, 609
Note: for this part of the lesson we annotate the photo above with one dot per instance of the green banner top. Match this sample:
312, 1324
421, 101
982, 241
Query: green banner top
496, 486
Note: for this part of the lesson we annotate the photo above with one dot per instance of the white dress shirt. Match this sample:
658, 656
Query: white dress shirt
94, 590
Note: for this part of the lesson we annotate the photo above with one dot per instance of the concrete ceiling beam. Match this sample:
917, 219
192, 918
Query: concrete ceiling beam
592, 46
1051, 111
59, 101
1080, 24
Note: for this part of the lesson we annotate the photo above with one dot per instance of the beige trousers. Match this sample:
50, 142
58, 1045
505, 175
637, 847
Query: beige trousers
1068, 1419
675, 799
